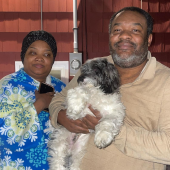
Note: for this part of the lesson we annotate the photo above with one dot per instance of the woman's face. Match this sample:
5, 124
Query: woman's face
38, 60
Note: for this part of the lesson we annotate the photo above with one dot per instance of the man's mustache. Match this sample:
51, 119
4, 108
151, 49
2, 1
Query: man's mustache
124, 41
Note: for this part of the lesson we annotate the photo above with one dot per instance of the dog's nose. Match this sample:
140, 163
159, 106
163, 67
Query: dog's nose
81, 78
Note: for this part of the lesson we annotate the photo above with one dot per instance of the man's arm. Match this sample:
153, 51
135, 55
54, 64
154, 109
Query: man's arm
152, 146
58, 111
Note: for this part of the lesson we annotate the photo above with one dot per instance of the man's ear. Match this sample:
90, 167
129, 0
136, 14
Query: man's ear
149, 40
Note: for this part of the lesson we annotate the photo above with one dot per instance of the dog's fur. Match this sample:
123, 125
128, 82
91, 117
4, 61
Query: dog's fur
98, 86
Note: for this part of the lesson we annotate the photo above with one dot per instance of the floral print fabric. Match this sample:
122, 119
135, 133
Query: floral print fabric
23, 142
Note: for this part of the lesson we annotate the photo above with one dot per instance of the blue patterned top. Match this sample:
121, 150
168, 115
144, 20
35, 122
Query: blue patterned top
23, 142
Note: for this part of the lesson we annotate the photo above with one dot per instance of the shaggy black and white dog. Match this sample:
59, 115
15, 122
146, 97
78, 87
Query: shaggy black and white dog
98, 86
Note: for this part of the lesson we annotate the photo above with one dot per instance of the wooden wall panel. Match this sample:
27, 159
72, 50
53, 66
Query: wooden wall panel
117, 5
24, 22
158, 43
161, 22
62, 22
50, 22
94, 23
35, 21
62, 5
11, 22
153, 6
107, 7
167, 43
2, 22
164, 6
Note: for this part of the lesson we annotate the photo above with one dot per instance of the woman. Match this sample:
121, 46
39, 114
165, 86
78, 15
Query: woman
23, 142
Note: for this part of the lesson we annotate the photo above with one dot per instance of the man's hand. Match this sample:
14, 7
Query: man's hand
92, 121
42, 100
75, 126
79, 126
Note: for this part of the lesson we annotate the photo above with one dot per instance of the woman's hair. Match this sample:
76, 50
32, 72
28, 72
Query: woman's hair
140, 11
35, 36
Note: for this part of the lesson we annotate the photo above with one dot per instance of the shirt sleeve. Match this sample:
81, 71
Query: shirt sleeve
152, 146
58, 102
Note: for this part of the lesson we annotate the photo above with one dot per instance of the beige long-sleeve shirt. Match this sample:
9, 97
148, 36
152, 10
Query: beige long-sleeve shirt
144, 140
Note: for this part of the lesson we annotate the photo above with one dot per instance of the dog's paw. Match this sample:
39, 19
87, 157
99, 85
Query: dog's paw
103, 139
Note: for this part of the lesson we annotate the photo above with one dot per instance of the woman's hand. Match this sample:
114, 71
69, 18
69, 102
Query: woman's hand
42, 100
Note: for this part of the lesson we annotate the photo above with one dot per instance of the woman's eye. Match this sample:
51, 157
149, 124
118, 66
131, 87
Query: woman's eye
32, 53
46, 55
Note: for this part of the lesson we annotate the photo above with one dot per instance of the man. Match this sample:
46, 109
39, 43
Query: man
144, 140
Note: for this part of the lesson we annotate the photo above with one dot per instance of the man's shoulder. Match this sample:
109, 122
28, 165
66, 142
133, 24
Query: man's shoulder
162, 67
162, 73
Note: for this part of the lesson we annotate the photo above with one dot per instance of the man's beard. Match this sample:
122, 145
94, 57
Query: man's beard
133, 60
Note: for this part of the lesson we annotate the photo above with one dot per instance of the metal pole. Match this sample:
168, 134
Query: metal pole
75, 25
41, 17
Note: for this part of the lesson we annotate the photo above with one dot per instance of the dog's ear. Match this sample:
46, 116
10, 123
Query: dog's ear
111, 78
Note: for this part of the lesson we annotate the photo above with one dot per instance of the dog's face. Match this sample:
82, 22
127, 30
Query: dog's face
101, 73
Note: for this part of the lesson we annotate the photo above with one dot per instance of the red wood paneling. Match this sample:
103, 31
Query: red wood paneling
162, 22
53, 6
103, 42
94, 7
2, 23
45, 7
17, 5
1, 6
157, 43
35, 21
67, 42
32, 5
10, 42
107, 6
95, 42
24, 22
137, 3
106, 21
11, 22
167, 43
62, 6
164, 6
50, 22
5, 5
95, 22
117, 5
23, 5
62, 22
69, 5
20, 37
153, 6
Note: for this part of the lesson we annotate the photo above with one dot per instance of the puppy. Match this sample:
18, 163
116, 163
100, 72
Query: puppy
98, 86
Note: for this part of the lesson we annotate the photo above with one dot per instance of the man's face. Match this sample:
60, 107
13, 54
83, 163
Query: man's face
128, 41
